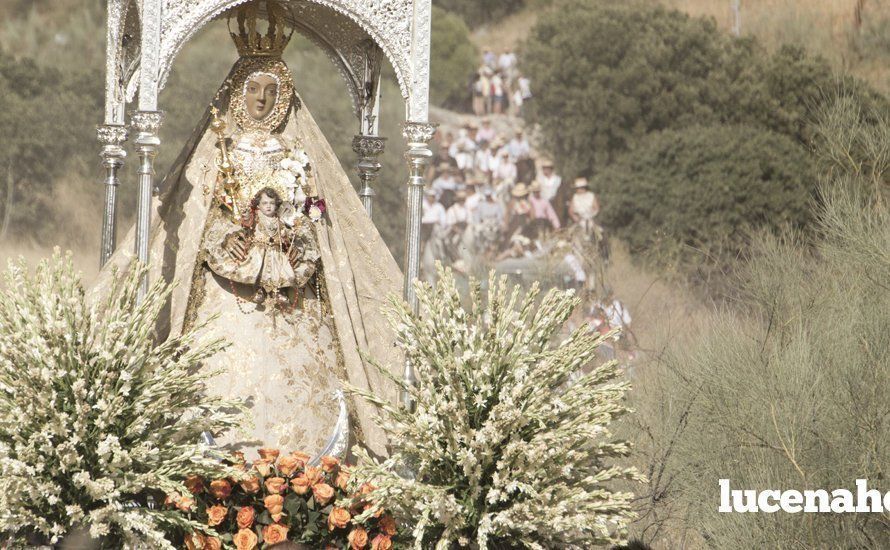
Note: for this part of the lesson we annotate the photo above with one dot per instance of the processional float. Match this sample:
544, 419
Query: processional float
145, 36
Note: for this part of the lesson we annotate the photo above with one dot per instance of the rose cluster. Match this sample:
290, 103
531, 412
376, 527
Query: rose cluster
282, 498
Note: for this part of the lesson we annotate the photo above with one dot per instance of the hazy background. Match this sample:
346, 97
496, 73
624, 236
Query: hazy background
744, 181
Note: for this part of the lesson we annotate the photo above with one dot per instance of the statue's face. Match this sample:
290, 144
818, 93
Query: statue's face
267, 205
260, 95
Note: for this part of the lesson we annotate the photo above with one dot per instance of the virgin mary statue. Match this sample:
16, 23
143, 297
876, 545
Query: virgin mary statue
271, 249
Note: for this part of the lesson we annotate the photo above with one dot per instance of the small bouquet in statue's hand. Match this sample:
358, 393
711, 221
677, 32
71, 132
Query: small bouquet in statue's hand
284, 498
314, 208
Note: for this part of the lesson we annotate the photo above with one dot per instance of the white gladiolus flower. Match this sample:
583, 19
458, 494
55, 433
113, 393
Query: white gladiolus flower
101, 407
506, 443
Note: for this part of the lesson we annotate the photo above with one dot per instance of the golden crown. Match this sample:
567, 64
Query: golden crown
253, 43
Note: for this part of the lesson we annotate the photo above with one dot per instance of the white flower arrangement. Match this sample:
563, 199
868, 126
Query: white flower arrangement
293, 174
505, 450
96, 418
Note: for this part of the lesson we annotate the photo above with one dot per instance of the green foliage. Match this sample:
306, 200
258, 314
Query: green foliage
508, 442
112, 416
47, 117
684, 194
789, 390
790, 396
481, 12
452, 60
621, 71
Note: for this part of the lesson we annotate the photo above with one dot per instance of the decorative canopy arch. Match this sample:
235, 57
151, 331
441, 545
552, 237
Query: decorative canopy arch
352, 33
144, 37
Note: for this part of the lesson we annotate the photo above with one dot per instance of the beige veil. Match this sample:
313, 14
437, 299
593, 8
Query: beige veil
359, 271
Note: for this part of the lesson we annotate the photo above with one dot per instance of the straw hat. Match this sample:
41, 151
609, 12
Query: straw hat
519, 190
581, 183
461, 193
547, 163
534, 187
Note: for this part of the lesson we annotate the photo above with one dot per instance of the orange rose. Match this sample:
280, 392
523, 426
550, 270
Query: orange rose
314, 474
275, 533
220, 488
388, 525
331, 547
194, 483
212, 543
216, 515
184, 503
329, 463
276, 485
358, 538
366, 488
323, 493
342, 480
264, 467
381, 542
195, 541
275, 505
338, 518
251, 485
269, 454
245, 518
300, 484
245, 539
288, 465
302, 457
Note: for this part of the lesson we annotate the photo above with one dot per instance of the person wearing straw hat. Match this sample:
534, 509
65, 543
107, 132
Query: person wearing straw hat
486, 133
457, 218
463, 150
471, 203
543, 213
548, 180
487, 220
584, 206
433, 225
519, 212
505, 168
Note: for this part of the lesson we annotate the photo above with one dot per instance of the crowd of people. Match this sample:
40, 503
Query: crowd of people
493, 201
497, 86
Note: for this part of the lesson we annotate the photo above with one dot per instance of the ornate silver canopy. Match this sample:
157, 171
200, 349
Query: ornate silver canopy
144, 37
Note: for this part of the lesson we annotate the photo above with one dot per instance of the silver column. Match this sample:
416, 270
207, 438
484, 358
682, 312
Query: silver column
112, 138
147, 124
368, 149
418, 156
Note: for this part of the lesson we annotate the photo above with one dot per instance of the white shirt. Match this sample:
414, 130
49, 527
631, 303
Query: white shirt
519, 148
507, 60
472, 203
463, 151
549, 185
584, 205
505, 171
456, 214
433, 213
444, 183
525, 87
484, 160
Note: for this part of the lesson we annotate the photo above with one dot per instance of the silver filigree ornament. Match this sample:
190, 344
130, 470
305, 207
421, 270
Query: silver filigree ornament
368, 146
419, 132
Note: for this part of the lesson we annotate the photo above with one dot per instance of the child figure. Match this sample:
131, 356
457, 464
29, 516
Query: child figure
268, 252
